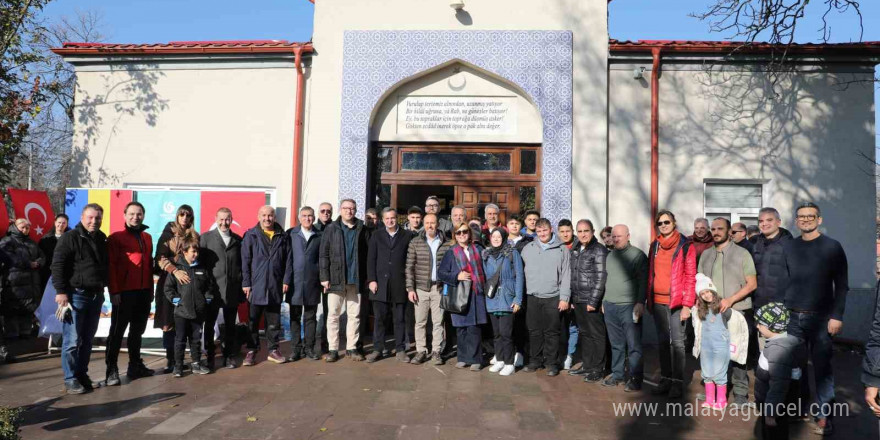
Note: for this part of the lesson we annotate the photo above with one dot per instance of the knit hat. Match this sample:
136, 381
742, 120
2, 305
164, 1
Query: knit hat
774, 316
705, 283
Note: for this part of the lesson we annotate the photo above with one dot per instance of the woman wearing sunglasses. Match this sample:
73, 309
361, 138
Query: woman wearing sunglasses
463, 262
671, 282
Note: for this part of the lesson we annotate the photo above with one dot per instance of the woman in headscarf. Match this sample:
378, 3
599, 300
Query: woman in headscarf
463, 262
504, 268
168, 250
21, 279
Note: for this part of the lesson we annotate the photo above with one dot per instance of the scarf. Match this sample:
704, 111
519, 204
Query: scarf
706, 239
499, 251
669, 242
472, 266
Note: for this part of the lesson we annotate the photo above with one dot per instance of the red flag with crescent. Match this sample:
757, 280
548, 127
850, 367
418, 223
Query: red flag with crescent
35, 207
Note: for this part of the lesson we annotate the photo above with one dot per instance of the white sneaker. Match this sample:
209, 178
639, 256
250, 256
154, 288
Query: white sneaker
492, 362
496, 367
507, 370
567, 365
518, 360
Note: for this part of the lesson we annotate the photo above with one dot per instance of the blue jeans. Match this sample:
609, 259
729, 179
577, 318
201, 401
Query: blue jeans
812, 329
77, 333
572, 338
625, 337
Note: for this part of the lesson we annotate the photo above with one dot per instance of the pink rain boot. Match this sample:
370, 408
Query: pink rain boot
710, 395
721, 401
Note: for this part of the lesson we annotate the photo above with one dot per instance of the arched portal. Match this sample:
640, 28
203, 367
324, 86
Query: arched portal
460, 133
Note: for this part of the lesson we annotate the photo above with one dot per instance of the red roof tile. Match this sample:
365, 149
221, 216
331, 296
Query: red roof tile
862, 48
182, 47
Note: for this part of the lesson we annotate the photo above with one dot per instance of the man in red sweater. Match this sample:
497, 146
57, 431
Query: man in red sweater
702, 238
131, 292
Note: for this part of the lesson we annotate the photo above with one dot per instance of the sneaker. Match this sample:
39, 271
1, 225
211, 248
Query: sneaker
567, 364
332, 356
496, 367
507, 370
198, 368
436, 358
493, 360
355, 355
250, 359
139, 370
594, 377
675, 391
275, 357
374, 356
662, 387
460, 365
112, 378
518, 360
295, 356
823, 427
476, 367
531, 368
229, 362
74, 387
402, 356
178, 372
419, 358
633, 385
611, 382
553, 371
578, 372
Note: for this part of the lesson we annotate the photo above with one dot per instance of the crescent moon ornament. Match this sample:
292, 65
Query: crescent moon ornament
458, 77
32, 205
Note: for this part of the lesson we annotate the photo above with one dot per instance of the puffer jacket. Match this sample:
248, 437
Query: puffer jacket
419, 262
332, 255
21, 282
684, 273
168, 249
194, 296
588, 273
769, 256
511, 283
739, 334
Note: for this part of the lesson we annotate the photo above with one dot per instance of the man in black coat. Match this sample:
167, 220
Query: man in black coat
221, 254
305, 294
386, 275
79, 275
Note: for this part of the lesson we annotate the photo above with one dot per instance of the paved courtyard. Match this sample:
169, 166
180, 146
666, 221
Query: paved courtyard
386, 400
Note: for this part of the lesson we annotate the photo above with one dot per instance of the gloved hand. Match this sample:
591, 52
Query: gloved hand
63, 312
175, 301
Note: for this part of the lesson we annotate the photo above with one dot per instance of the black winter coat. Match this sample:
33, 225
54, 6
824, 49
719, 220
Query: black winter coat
21, 282
47, 246
264, 265
588, 273
304, 256
80, 262
224, 263
194, 295
386, 265
871, 364
332, 255
769, 256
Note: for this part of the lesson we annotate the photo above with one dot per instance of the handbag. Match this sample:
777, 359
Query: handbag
493, 284
456, 300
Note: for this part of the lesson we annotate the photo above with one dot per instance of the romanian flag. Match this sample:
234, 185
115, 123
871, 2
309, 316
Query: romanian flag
112, 200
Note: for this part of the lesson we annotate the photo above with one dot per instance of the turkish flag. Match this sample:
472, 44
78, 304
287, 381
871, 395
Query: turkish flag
4, 216
35, 207
244, 207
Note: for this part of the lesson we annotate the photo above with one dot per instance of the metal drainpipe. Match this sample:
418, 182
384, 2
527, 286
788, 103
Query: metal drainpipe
655, 136
297, 136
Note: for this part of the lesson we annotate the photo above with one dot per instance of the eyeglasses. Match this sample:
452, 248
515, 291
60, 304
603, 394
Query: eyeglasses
462, 232
738, 232
432, 205
664, 223
807, 217
326, 211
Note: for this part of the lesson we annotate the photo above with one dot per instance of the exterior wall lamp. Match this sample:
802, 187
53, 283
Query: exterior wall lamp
457, 5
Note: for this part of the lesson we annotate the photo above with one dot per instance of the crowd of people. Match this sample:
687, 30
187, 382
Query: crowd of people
517, 294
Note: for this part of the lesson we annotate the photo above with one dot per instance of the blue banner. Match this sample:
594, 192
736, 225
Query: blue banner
74, 202
161, 208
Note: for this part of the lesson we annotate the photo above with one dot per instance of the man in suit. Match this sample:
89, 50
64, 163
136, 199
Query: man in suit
386, 275
221, 254
305, 295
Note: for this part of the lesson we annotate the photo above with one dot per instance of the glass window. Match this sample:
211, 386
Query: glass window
383, 197
526, 198
418, 161
528, 162
735, 201
383, 159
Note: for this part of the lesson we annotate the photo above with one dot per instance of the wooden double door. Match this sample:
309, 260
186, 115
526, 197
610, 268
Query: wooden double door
475, 198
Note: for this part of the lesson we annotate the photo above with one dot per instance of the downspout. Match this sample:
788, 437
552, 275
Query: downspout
297, 136
655, 136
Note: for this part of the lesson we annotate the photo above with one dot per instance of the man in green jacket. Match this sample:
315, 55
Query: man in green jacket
623, 306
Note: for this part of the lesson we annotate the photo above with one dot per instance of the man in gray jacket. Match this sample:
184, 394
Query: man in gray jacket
548, 281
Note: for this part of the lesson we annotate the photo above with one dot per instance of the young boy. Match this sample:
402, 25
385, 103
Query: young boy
777, 367
514, 237
190, 302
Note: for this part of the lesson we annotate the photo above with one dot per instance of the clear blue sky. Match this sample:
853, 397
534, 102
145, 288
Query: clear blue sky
157, 21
